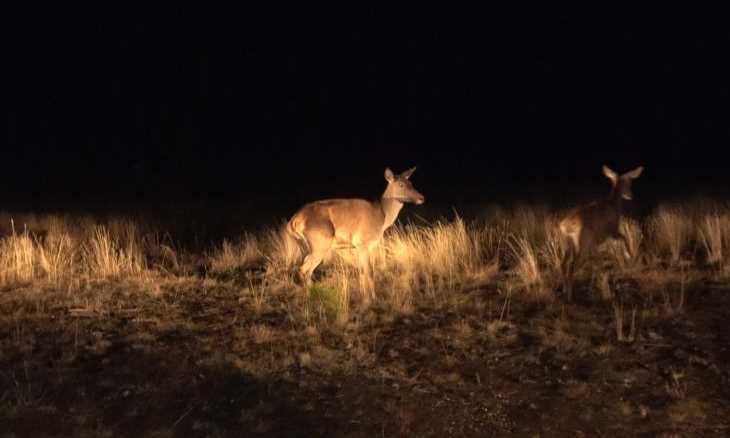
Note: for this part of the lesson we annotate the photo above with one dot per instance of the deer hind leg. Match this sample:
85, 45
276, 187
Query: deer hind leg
320, 242
569, 262
572, 252
367, 284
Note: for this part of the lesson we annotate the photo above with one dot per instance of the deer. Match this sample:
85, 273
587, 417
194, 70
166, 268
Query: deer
359, 224
588, 226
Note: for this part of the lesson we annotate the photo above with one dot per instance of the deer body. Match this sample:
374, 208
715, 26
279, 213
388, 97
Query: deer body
350, 223
588, 226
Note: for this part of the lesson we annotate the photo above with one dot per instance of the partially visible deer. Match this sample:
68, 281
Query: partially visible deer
322, 226
588, 226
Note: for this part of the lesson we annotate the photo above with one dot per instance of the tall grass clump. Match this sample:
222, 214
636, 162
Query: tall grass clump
47, 253
230, 256
17, 258
162, 253
526, 263
671, 231
554, 247
442, 257
57, 256
108, 255
710, 235
714, 236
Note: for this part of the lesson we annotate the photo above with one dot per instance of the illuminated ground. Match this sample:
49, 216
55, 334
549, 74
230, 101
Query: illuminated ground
188, 349
198, 360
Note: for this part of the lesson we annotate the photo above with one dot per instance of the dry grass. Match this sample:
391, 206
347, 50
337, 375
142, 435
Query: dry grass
440, 256
438, 285
555, 246
256, 295
230, 256
714, 235
502, 332
18, 258
560, 335
526, 265
420, 260
67, 249
414, 262
113, 255
56, 256
262, 334
671, 232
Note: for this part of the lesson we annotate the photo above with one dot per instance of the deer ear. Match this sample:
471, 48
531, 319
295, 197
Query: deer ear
610, 174
389, 175
634, 173
407, 174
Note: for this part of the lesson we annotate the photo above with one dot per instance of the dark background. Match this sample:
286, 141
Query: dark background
110, 106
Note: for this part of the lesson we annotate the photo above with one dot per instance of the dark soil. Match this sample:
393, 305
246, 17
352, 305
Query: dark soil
184, 362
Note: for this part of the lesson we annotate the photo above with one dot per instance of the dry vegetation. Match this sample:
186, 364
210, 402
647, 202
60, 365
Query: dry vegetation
471, 330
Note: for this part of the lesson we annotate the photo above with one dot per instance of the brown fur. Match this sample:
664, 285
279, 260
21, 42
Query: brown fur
588, 226
322, 226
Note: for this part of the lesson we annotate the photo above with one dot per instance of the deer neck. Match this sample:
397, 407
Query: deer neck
617, 201
391, 207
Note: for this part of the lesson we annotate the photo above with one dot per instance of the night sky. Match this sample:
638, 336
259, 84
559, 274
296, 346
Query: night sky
181, 104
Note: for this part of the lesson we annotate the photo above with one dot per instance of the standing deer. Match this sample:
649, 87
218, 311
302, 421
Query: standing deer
350, 223
588, 226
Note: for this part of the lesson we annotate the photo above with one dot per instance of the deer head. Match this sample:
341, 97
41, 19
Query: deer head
621, 184
400, 187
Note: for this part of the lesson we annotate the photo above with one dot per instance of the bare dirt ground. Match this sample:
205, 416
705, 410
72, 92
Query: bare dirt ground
205, 357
